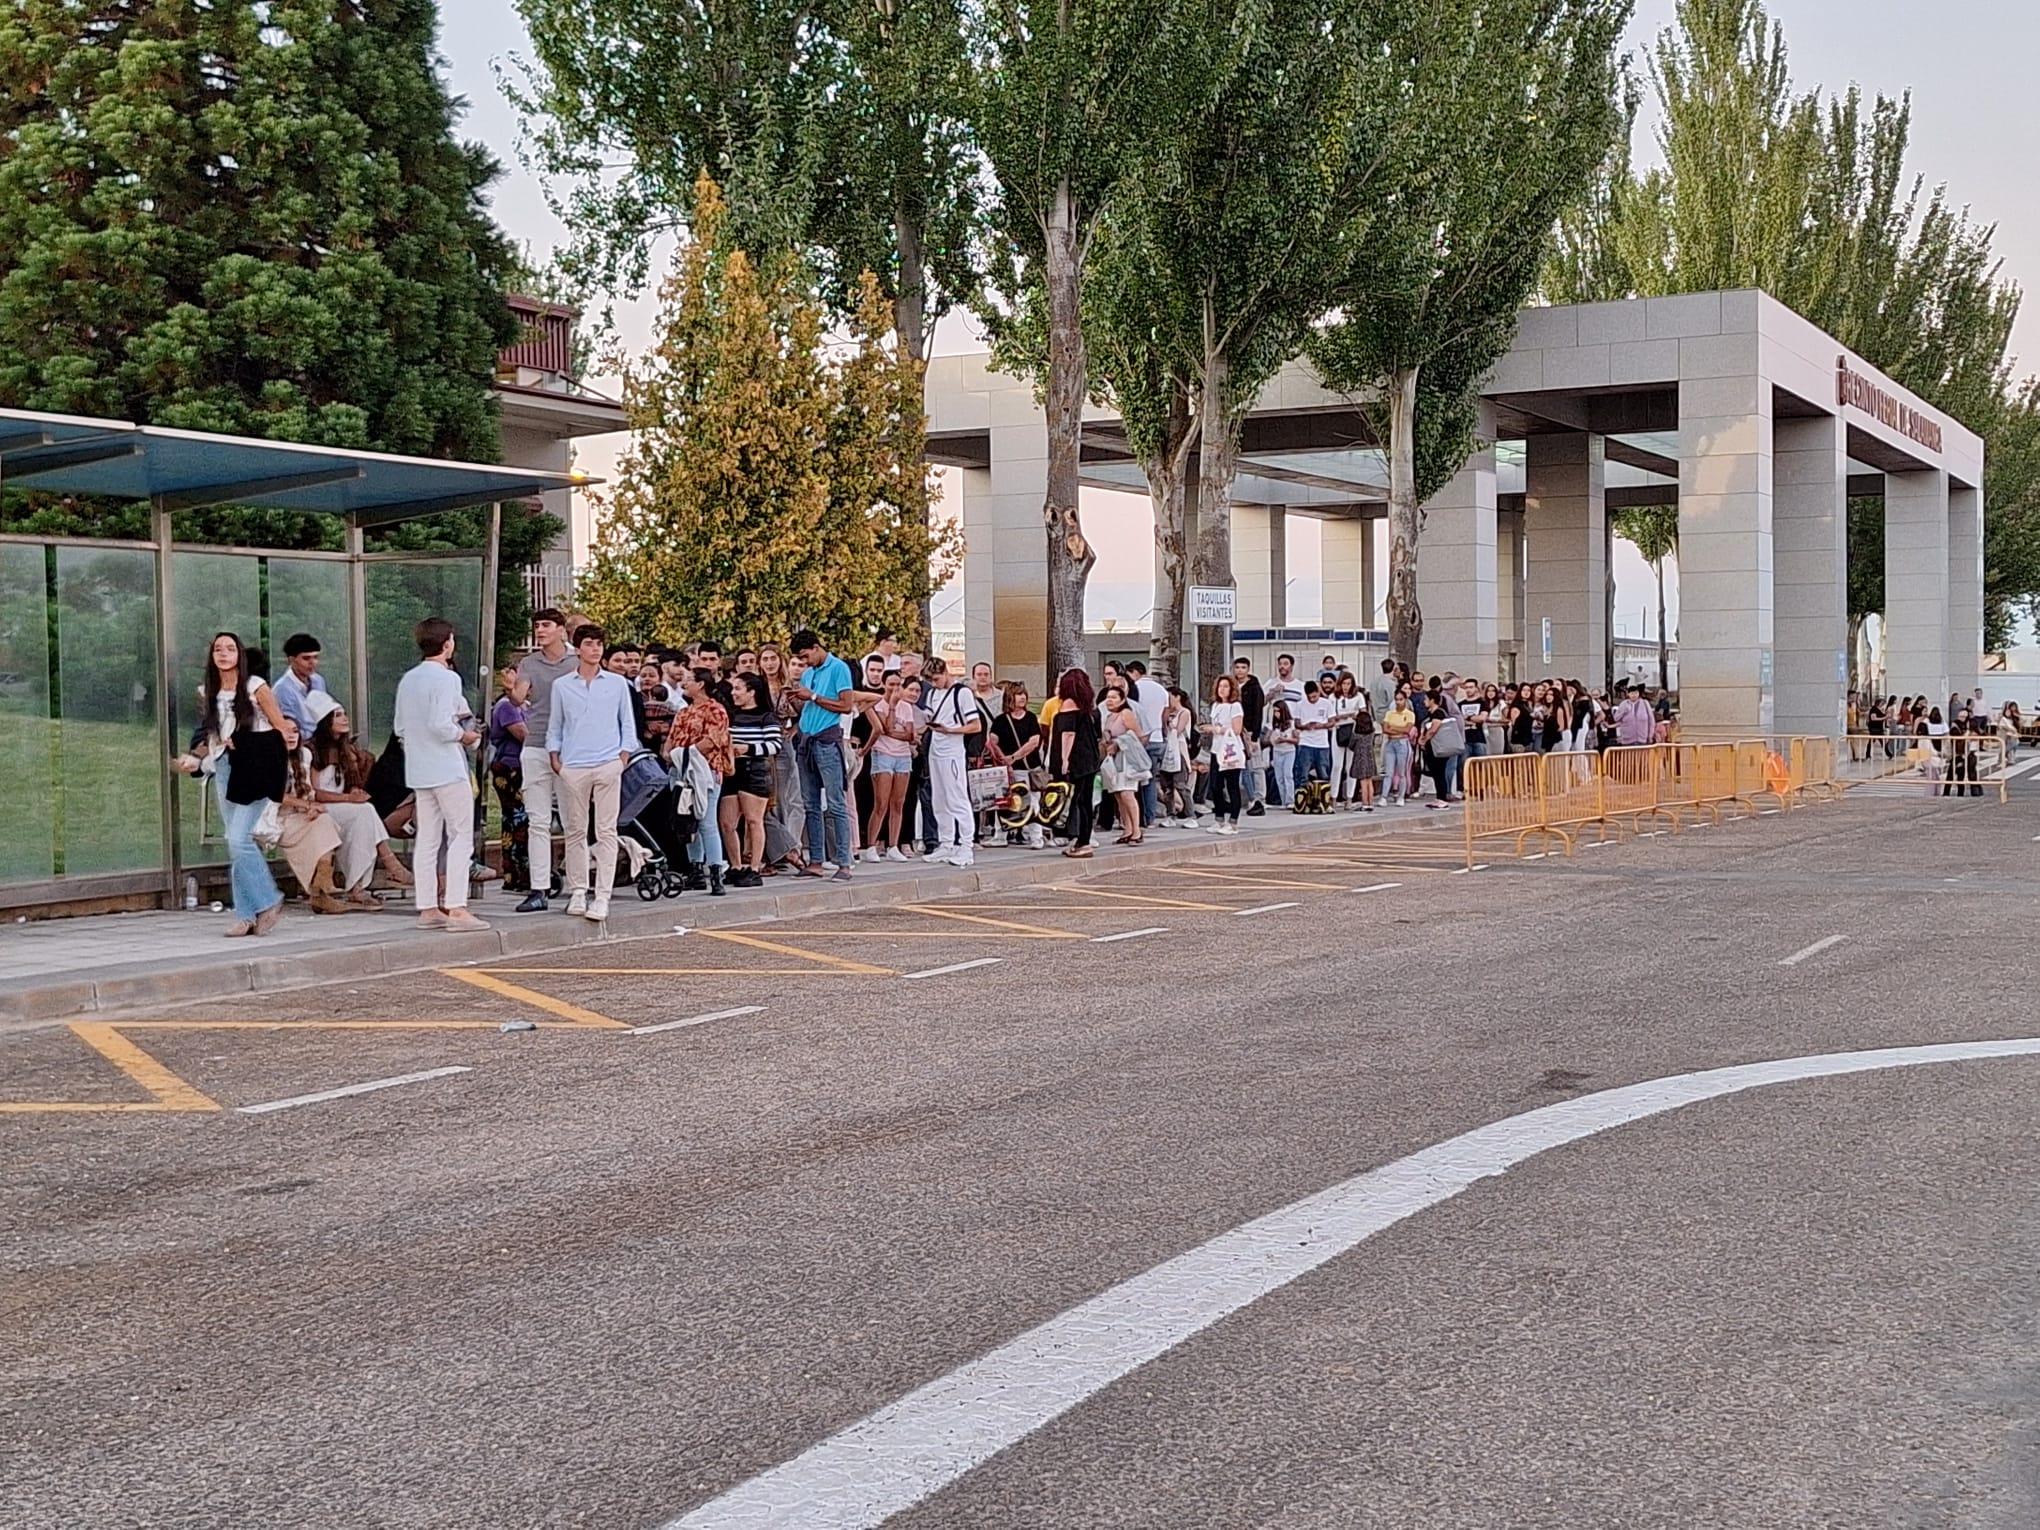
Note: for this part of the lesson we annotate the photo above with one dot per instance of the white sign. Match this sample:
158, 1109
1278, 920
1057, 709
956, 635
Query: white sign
1547, 640
1211, 606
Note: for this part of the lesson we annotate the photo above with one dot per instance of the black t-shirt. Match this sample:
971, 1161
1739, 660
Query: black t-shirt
1012, 734
1081, 727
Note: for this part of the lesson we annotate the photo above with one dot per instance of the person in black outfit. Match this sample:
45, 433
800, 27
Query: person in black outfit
1253, 717
1073, 752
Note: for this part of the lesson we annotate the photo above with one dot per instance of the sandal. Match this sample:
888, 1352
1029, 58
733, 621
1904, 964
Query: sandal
1076, 853
1137, 839
238, 928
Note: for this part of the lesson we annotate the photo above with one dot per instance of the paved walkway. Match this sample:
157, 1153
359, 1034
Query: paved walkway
60, 969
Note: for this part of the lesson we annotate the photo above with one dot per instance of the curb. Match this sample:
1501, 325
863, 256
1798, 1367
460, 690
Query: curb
116, 990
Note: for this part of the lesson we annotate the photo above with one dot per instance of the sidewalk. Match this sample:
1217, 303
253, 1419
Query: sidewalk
62, 969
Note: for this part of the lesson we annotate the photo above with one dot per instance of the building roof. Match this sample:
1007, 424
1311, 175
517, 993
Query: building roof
187, 470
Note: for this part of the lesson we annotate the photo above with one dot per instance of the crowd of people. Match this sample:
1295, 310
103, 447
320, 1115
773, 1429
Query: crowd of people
737, 766
1944, 745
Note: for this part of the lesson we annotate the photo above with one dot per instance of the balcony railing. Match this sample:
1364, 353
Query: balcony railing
550, 584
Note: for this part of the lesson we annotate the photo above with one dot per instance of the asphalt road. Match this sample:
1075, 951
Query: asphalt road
604, 1279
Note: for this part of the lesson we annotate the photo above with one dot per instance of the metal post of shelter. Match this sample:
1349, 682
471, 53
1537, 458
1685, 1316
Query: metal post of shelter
166, 699
485, 640
357, 623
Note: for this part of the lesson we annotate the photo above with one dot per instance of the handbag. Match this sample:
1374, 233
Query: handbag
268, 830
686, 800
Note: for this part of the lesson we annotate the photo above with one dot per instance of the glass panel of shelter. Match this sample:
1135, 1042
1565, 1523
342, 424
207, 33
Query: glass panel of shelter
28, 732
109, 798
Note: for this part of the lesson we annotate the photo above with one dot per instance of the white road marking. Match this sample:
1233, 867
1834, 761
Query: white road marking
1768, 812
982, 961
681, 1025
1265, 908
340, 1094
1390, 886
1813, 950
1106, 940
1540, 855
1596, 844
2014, 772
1460, 871
914, 1447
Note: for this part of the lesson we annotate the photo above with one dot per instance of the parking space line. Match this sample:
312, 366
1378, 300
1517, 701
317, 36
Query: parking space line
840, 963
982, 961
348, 1089
1240, 881
489, 983
1033, 931
694, 972
328, 1025
681, 1025
1106, 940
1813, 950
1265, 908
1378, 887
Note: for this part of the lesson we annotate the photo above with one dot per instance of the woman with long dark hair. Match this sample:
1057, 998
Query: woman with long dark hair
1227, 731
244, 740
340, 769
1073, 751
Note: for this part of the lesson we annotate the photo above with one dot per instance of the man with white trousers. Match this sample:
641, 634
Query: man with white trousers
539, 670
589, 738
953, 716
435, 722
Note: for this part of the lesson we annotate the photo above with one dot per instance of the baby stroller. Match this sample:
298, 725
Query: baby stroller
646, 862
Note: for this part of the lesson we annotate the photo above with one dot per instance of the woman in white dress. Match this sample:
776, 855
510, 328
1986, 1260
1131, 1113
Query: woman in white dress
339, 773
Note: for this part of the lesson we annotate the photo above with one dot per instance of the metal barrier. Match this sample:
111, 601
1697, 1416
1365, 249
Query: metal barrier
1636, 783
1571, 788
1963, 765
1505, 795
1813, 767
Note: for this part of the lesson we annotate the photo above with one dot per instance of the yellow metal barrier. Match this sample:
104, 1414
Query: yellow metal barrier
1813, 767
1504, 795
1636, 782
1571, 788
1965, 765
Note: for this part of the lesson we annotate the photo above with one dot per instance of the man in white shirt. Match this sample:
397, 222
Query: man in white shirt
1313, 718
539, 670
434, 720
953, 716
589, 738
887, 653
1285, 686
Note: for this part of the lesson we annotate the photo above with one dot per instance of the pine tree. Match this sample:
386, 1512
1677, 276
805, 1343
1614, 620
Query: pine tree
250, 217
766, 489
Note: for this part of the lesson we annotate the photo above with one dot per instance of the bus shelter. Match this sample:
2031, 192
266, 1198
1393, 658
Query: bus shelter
103, 642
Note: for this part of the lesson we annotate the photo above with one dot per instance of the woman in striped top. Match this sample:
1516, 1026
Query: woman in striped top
754, 739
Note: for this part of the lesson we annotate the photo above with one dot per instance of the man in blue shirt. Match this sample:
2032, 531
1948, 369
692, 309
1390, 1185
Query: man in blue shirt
300, 680
590, 736
827, 696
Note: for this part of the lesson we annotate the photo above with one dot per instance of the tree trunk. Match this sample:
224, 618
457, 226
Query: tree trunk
1166, 474
1218, 455
910, 302
1856, 675
1405, 520
1664, 642
1070, 557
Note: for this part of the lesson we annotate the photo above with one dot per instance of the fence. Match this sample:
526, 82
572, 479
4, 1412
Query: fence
1555, 796
1889, 764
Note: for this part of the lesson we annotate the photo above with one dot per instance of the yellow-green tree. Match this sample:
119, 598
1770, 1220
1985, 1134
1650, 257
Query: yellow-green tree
767, 486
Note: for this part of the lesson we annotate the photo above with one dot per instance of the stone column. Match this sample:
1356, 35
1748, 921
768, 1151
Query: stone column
1726, 634
1810, 573
1456, 570
1565, 522
1965, 587
1344, 565
1916, 584
1019, 550
1370, 577
1260, 565
966, 498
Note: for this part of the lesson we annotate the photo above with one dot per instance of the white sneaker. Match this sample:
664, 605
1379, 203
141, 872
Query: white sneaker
577, 904
962, 859
872, 854
895, 854
597, 910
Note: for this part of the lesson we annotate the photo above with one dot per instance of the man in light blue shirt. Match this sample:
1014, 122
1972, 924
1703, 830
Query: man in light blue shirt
589, 737
300, 681
825, 689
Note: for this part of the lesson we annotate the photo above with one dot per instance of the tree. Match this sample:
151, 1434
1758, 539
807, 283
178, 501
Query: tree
1525, 116
251, 219
834, 128
1763, 186
1653, 530
1062, 96
765, 488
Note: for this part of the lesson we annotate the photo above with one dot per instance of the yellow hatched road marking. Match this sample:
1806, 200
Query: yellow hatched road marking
571, 1012
1033, 930
166, 1091
1147, 901
857, 971
332, 1025
919, 935
1240, 881
843, 963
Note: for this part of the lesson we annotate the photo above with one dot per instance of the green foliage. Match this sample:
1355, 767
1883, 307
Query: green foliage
835, 129
1523, 108
1763, 186
766, 488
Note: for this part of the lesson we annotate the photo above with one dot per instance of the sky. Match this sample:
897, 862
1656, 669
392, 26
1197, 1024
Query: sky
1966, 62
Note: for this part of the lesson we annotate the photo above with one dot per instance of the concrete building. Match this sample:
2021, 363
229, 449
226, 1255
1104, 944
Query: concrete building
1757, 425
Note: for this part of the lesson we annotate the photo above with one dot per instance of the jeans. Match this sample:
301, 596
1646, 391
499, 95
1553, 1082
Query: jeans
1285, 774
1255, 776
254, 887
1150, 789
1314, 760
1445, 773
706, 848
1400, 783
821, 779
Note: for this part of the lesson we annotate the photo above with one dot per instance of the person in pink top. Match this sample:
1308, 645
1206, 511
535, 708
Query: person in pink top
896, 727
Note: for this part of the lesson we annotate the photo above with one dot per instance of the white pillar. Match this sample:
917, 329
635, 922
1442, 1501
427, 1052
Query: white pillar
1370, 577
1965, 587
1726, 632
1260, 565
966, 499
1565, 521
1344, 561
1456, 570
1019, 548
1810, 573
1509, 589
1916, 584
